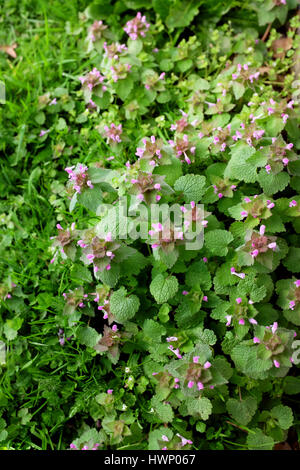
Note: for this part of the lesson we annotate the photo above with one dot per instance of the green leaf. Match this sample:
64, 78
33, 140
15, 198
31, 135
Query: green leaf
153, 330
164, 411
111, 276
40, 118
102, 101
11, 327
283, 415
123, 87
163, 289
122, 306
192, 187
200, 406
88, 336
198, 274
61, 124
291, 385
182, 13
81, 273
274, 126
292, 261
242, 411
134, 46
238, 167
271, 183
90, 198
163, 97
216, 241
259, 441
162, 8
238, 90
155, 437
171, 172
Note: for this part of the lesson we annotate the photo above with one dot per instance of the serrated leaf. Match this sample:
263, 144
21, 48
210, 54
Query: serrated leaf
283, 415
88, 336
182, 13
123, 307
271, 183
242, 411
216, 241
259, 441
90, 198
163, 410
198, 274
163, 289
192, 187
200, 407
153, 330
123, 87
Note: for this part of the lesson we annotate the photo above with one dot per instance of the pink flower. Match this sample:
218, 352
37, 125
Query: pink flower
136, 27
207, 365
252, 320
228, 318
293, 203
297, 283
200, 386
238, 300
256, 340
240, 275
196, 359
276, 363
268, 168
113, 133
241, 321
110, 391
171, 338
191, 384
274, 327
165, 438
292, 304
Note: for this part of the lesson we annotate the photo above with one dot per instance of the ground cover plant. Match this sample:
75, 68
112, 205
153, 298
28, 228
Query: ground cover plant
115, 333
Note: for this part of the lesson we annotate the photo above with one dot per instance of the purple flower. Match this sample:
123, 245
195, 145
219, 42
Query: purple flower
136, 27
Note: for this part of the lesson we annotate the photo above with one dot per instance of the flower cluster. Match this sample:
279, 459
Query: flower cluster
136, 27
